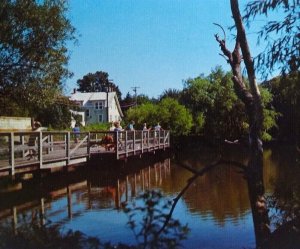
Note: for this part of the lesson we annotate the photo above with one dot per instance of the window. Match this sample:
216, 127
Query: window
87, 113
99, 105
100, 118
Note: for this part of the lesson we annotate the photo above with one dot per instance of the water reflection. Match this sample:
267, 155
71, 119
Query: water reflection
92, 201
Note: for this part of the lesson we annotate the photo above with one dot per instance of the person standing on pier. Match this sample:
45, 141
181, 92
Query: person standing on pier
130, 127
157, 130
76, 131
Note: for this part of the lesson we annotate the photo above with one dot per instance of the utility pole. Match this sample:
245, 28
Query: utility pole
135, 93
108, 89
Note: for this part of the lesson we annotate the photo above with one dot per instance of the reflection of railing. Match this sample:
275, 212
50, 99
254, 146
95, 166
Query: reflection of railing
118, 193
19, 150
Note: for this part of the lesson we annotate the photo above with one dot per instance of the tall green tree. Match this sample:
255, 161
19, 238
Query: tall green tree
33, 53
281, 34
217, 111
97, 82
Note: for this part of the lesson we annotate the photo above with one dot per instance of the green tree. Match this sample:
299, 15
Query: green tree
57, 115
168, 112
174, 116
33, 53
97, 82
171, 93
281, 34
286, 92
217, 112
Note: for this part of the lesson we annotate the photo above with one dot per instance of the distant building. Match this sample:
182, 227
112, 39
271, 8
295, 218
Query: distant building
98, 107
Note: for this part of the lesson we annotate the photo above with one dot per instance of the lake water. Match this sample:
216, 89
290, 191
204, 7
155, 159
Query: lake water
92, 200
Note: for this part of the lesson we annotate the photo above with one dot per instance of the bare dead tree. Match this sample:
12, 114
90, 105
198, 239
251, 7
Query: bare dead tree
252, 99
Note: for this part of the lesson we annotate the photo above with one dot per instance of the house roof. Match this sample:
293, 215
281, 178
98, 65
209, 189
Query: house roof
94, 96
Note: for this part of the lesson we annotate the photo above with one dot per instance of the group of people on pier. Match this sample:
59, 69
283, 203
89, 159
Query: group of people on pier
116, 126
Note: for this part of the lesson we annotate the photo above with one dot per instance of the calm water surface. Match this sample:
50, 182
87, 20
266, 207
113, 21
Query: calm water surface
216, 207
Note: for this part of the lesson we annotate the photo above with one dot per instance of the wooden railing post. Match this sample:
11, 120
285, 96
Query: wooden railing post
12, 153
158, 139
22, 141
51, 141
133, 142
142, 141
117, 144
126, 152
40, 149
68, 147
148, 138
164, 139
89, 144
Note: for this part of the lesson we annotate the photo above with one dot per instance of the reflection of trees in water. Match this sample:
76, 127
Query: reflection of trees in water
221, 193
32, 235
286, 198
285, 208
147, 219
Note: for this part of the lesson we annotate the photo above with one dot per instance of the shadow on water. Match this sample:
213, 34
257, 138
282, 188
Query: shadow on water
145, 194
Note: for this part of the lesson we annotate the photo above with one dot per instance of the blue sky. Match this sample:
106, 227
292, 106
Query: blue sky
152, 44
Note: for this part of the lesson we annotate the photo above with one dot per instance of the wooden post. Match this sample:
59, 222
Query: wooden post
126, 152
133, 140
40, 149
89, 144
117, 144
68, 147
142, 141
117, 197
51, 141
22, 141
126, 189
42, 212
12, 153
148, 139
159, 139
164, 139
15, 220
69, 199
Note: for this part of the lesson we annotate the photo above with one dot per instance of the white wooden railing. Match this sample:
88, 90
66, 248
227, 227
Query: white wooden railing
61, 148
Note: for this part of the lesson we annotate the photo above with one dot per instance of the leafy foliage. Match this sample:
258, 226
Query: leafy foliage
282, 35
97, 82
153, 210
217, 111
33, 53
168, 112
286, 100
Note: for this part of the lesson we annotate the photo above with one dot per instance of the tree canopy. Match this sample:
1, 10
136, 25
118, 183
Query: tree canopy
217, 111
168, 112
97, 82
33, 54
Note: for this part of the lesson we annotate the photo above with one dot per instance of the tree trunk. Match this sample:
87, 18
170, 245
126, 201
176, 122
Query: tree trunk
253, 105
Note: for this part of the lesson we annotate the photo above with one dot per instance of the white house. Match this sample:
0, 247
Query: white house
98, 107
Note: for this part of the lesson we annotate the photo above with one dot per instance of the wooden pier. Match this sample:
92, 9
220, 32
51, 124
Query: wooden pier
22, 152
